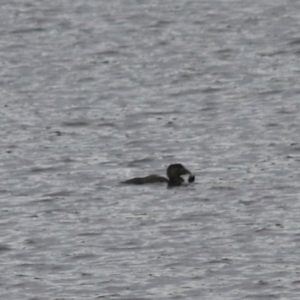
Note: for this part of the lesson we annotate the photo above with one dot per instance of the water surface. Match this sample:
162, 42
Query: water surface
97, 92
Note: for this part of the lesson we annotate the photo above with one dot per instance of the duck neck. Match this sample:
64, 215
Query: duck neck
175, 181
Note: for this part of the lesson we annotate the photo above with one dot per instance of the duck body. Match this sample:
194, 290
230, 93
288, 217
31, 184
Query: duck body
147, 179
174, 173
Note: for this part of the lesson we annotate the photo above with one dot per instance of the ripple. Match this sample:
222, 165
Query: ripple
99, 91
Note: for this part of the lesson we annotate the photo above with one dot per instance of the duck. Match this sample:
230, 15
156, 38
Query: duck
174, 173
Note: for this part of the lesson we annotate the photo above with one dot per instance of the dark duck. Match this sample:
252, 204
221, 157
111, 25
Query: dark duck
174, 173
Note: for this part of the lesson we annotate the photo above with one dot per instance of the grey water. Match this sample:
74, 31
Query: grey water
96, 92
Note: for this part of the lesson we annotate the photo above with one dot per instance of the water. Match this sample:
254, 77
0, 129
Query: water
97, 92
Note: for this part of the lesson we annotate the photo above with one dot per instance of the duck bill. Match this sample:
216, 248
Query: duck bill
186, 172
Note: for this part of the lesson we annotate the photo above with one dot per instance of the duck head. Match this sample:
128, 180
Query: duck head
174, 172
